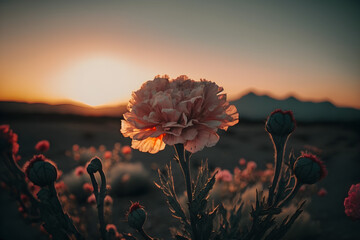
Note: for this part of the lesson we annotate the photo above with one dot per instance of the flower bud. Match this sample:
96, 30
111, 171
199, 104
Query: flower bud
94, 165
280, 123
309, 169
40, 171
136, 216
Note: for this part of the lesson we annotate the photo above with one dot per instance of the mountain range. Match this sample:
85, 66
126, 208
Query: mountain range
250, 106
257, 107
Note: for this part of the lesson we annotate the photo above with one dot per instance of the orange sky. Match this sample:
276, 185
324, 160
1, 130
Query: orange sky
56, 52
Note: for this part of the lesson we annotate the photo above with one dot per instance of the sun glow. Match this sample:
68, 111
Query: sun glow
99, 80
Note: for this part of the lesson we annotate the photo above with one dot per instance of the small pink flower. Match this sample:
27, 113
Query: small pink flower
251, 165
24, 198
242, 162
126, 150
322, 192
125, 177
8, 139
179, 111
107, 154
21, 209
302, 188
268, 173
60, 186
79, 171
42, 146
88, 188
108, 200
92, 149
224, 176
75, 147
91, 199
352, 202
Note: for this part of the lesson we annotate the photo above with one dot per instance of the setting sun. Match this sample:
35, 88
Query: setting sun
99, 80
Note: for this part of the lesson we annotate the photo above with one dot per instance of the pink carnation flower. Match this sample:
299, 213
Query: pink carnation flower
352, 202
42, 146
176, 111
224, 176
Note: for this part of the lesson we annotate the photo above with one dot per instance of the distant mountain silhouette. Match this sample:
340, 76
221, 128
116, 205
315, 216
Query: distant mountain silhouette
257, 107
7, 107
250, 107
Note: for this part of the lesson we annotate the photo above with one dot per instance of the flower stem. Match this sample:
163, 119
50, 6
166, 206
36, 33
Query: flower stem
291, 194
185, 167
144, 234
68, 224
100, 200
279, 143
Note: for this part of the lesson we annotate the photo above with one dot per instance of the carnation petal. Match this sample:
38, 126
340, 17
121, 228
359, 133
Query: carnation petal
151, 145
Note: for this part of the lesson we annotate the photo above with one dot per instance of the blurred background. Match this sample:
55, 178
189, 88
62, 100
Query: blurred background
67, 70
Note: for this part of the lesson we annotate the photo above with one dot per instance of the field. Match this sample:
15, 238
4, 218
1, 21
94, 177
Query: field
338, 145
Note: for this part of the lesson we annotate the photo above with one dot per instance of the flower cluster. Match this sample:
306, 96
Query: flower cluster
352, 202
177, 111
8, 139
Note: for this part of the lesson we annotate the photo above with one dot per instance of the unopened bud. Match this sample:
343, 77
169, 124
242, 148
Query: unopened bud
40, 171
280, 123
309, 169
94, 165
136, 216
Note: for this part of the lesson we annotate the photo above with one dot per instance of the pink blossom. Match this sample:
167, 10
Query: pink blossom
8, 139
91, 199
76, 147
107, 154
176, 111
42, 146
242, 162
60, 186
322, 192
224, 176
88, 188
79, 171
302, 188
126, 150
108, 200
251, 165
352, 202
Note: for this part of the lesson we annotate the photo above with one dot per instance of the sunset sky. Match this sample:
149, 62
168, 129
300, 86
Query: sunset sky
98, 52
